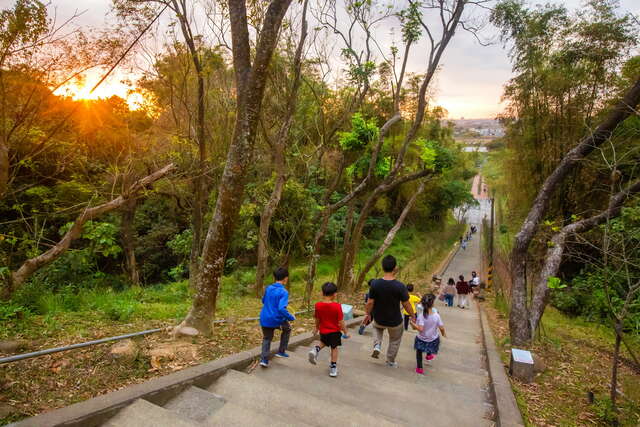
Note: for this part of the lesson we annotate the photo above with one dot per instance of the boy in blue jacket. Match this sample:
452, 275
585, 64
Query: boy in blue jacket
274, 315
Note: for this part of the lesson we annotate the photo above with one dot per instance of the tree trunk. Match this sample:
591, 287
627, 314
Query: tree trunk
347, 254
435, 54
614, 366
265, 220
30, 266
519, 325
250, 84
315, 255
388, 240
356, 237
199, 182
279, 164
4, 167
128, 240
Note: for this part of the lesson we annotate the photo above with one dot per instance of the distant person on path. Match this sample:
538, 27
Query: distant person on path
463, 289
330, 324
385, 296
464, 245
413, 299
450, 292
474, 283
427, 341
274, 315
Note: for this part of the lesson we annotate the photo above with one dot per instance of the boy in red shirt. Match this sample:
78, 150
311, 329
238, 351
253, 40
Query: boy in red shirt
330, 324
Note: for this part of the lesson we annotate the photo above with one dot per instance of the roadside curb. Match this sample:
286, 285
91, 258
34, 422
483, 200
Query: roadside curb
507, 411
95, 411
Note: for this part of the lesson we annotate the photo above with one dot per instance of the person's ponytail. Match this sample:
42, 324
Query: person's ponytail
427, 303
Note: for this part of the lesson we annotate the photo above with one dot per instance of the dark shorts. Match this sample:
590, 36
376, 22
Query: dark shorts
333, 339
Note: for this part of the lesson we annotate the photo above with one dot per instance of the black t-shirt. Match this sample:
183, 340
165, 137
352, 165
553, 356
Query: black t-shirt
387, 296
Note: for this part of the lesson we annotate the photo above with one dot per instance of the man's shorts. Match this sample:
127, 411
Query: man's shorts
333, 339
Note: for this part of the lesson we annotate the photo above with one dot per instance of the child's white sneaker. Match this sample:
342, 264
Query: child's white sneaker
333, 371
313, 356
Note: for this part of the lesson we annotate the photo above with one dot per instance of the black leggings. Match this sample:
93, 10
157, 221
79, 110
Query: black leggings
406, 322
419, 358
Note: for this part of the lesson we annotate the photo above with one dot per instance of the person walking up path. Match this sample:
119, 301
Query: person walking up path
274, 315
385, 297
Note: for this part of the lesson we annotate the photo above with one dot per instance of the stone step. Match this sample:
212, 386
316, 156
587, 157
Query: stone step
394, 397
195, 404
142, 413
232, 414
281, 403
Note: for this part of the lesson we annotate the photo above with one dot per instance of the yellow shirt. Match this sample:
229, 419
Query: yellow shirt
413, 299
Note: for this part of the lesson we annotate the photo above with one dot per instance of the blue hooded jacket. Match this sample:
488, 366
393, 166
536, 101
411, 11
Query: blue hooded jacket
274, 311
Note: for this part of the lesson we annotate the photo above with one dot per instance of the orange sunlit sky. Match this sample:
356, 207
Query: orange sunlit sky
469, 84
114, 85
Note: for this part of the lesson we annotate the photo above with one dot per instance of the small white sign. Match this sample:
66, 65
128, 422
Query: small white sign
521, 356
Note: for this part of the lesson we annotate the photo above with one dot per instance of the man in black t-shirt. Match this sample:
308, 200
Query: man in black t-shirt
385, 297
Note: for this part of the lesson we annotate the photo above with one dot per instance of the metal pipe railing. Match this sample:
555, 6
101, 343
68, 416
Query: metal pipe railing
17, 357
39, 353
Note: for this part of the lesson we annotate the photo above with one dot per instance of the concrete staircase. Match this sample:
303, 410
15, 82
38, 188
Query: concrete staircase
292, 392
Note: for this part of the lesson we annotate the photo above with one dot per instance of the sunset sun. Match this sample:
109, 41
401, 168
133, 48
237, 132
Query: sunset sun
112, 86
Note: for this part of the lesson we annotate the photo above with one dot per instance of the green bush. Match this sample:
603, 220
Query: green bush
11, 311
120, 311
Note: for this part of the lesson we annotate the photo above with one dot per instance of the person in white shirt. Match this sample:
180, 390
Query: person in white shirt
474, 283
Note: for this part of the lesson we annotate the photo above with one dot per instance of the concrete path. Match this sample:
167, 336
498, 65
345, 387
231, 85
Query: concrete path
292, 392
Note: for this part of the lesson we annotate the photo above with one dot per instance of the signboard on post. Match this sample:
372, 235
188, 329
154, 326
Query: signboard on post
521, 366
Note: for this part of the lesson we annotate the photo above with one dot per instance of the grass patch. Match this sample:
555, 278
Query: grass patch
577, 357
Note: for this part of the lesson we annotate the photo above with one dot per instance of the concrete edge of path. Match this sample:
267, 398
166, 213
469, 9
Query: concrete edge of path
160, 390
507, 411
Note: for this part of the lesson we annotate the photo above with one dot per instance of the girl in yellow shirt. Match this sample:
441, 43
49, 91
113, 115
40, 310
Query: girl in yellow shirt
413, 299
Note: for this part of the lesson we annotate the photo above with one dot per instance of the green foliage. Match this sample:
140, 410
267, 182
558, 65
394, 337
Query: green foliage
363, 132
360, 167
24, 24
605, 411
11, 311
181, 243
556, 53
455, 193
410, 19
102, 237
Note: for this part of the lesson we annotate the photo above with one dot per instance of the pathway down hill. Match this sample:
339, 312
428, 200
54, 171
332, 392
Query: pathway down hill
292, 392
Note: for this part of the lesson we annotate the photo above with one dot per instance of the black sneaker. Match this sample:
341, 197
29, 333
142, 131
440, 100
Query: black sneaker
361, 329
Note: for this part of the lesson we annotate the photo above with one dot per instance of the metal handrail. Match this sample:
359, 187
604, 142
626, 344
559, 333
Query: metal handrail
39, 353
17, 357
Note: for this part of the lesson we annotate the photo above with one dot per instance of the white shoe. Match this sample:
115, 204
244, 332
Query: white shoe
392, 364
313, 356
376, 351
333, 371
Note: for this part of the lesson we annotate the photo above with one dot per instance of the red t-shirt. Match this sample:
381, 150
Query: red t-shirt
329, 315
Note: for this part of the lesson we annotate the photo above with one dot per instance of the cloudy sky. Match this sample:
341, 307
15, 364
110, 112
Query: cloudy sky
469, 84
